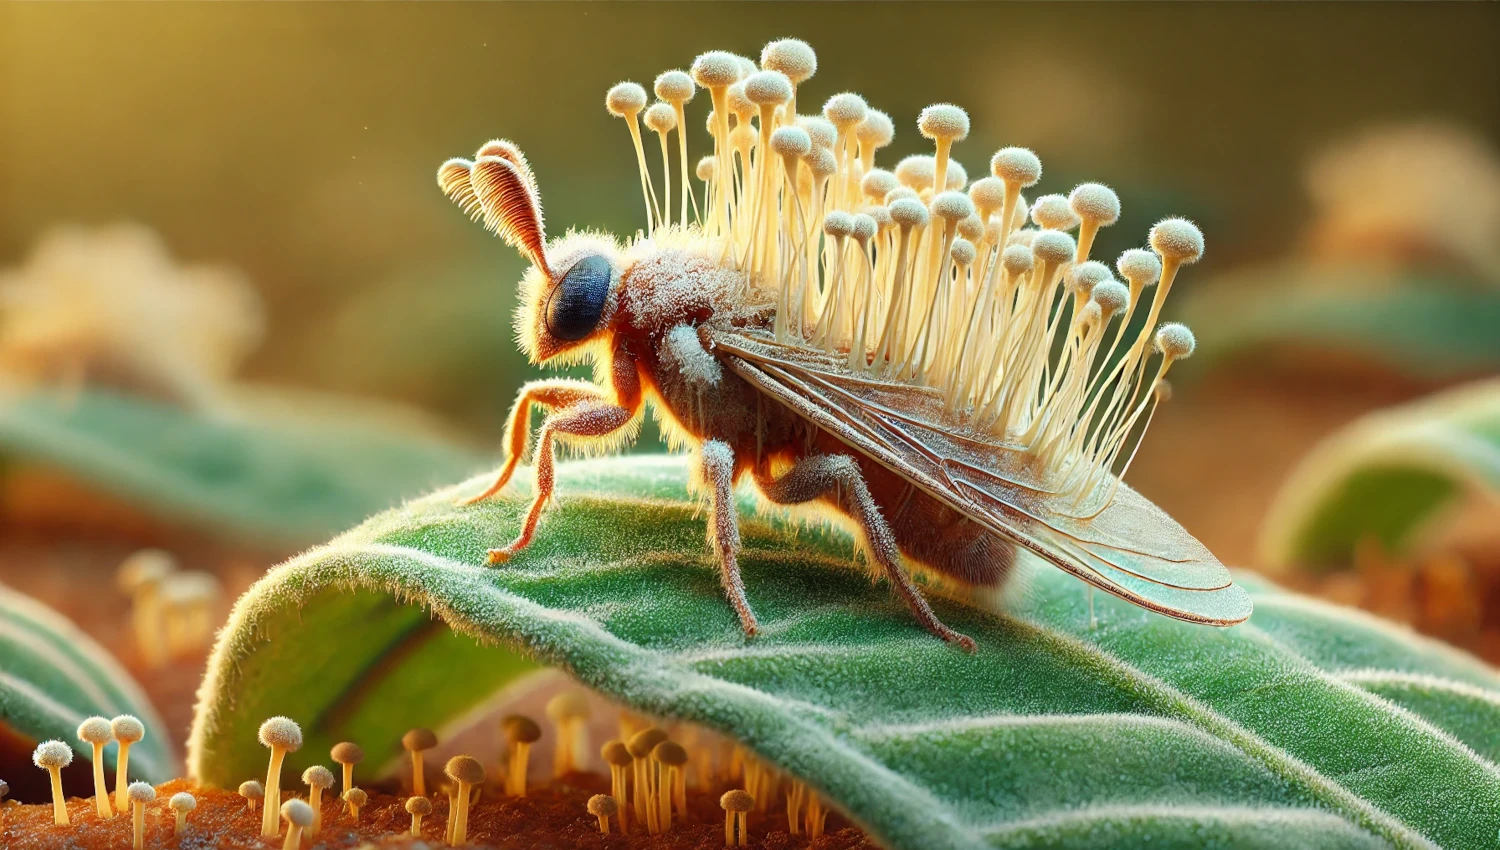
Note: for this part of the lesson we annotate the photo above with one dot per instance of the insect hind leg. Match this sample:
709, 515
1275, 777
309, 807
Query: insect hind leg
838, 477
724, 528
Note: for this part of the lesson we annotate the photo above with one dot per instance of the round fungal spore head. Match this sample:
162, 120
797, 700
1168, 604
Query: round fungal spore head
1084, 276
1174, 340
739, 103
737, 801
603, 806
52, 755
1017, 259
1139, 266
917, 171
281, 733
357, 796
1177, 239
140, 792
877, 182
317, 776
670, 753
790, 141
768, 88
790, 56
616, 753
743, 136
957, 175
625, 99
128, 729
1016, 166
674, 87
419, 739
705, 170
418, 806
253, 790
845, 109
1025, 236
568, 705
1052, 212
875, 131
347, 752
988, 193
881, 214
1112, 296
95, 730
520, 729
822, 162
1095, 202
908, 212
944, 121
963, 252
1053, 246
465, 769
643, 742
660, 118
300, 814
716, 69
901, 193
1163, 392
952, 206
820, 131
971, 227
865, 226
182, 801
838, 223
1090, 314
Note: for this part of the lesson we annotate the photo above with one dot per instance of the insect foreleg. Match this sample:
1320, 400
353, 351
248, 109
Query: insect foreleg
551, 394
838, 477
724, 528
586, 419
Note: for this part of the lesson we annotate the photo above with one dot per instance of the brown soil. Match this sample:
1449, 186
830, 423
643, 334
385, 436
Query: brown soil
552, 816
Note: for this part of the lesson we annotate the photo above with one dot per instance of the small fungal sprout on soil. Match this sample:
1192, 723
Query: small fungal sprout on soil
253, 792
418, 808
603, 807
181, 803
416, 742
95, 732
521, 732
467, 772
128, 731
317, 779
53, 756
298, 816
737, 805
139, 794
282, 735
347, 754
356, 799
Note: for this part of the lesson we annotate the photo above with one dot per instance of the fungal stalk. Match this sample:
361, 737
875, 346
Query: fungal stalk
569, 713
347, 755
671, 781
253, 792
281, 735
298, 816
416, 742
139, 794
467, 772
355, 799
96, 733
418, 808
53, 756
737, 805
521, 732
181, 803
317, 779
617, 756
640, 746
603, 807
128, 731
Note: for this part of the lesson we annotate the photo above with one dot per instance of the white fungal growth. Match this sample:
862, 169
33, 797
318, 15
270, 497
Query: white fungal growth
1053, 246
1016, 166
875, 131
768, 87
1052, 212
845, 110
715, 69
820, 131
963, 252
1177, 239
917, 171
952, 206
944, 121
1111, 296
1175, 341
1095, 202
624, 100
660, 118
674, 87
1141, 267
907, 212
791, 141
1083, 277
792, 57
699, 368
877, 183
1017, 260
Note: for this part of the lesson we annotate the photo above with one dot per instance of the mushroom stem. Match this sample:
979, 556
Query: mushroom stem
461, 817
729, 822
138, 823
416, 824
604, 824
418, 780
520, 761
271, 812
180, 823
315, 799
742, 823
122, 777
293, 837
101, 793
59, 802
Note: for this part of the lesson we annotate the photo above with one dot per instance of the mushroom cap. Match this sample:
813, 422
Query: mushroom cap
1016, 165
347, 752
643, 742
616, 753
918, 171
737, 801
791, 56
900, 192
705, 170
876, 130
182, 801
418, 806
624, 99
127, 729
715, 69
675, 86
865, 226
317, 776
1112, 296
356, 796
52, 755
140, 792
670, 753
971, 227
252, 790
1177, 239
963, 252
908, 212
1017, 259
1138, 264
465, 770
822, 162
988, 192
1095, 202
299, 814
603, 805
1163, 391
877, 182
95, 730
281, 733
660, 118
952, 206
1174, 340
144, 567
1086, 275
845, 109
790, 141
568, 705
820, 130
944, 121
768, 88
838, 223
1053, 246
1052, 212
419, 739
520, 729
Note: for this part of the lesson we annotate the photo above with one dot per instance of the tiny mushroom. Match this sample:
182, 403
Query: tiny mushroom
253, 792
282, 735
603, 807
299, 816
640, 746
416, 742
127, 731
139, 794
95, 731
467, 772
521, 732
347, 754
418, 808
737, 805
181, 803
671, 780
356, 798
569, 713
618, 757
317, 779
53, 756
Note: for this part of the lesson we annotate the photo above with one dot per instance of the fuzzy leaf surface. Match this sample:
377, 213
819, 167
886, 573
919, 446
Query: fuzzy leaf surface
1310, 726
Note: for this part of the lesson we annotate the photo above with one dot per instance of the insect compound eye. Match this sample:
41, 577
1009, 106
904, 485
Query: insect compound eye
577, 301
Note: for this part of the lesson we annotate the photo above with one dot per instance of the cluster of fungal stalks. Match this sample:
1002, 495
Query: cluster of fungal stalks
96, 732
917, 275
172, 611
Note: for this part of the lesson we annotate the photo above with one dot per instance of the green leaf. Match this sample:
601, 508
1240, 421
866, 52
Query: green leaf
289, 469
1142, 732
1390, 476
52, 676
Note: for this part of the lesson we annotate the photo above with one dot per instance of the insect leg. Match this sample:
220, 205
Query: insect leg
586, 419
551, 394
724, 528
838, 477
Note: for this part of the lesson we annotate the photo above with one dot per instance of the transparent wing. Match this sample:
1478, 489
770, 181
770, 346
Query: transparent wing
1131, 549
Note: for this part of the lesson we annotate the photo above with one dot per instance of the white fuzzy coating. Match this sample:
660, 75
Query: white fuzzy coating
52, 755
956, 176
876, 130
845, 109
317, 776
1017, 166
819, 129
988, 193
182, 801
699, 368
881, 214
1139, 266
1175, 341
790, 56
1025, 236
140, 792
865, 226
908, 212
971, 227
1085, 276
740, 103
706, 167
625, 99
675, 86
743, 136
95, 730
252, 790
877, 182
992, 230
297, 813
1051, 212
747, 65
281, 733
790, 141
900, 192
768, 88
917, 171
944, 121
1017, 259
1053, 246
1112, 296
715, 69
838, 223
660, 118
1177, 239
127, 728
1095, 202
963, 252
358, 797
822, 162
952, 206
